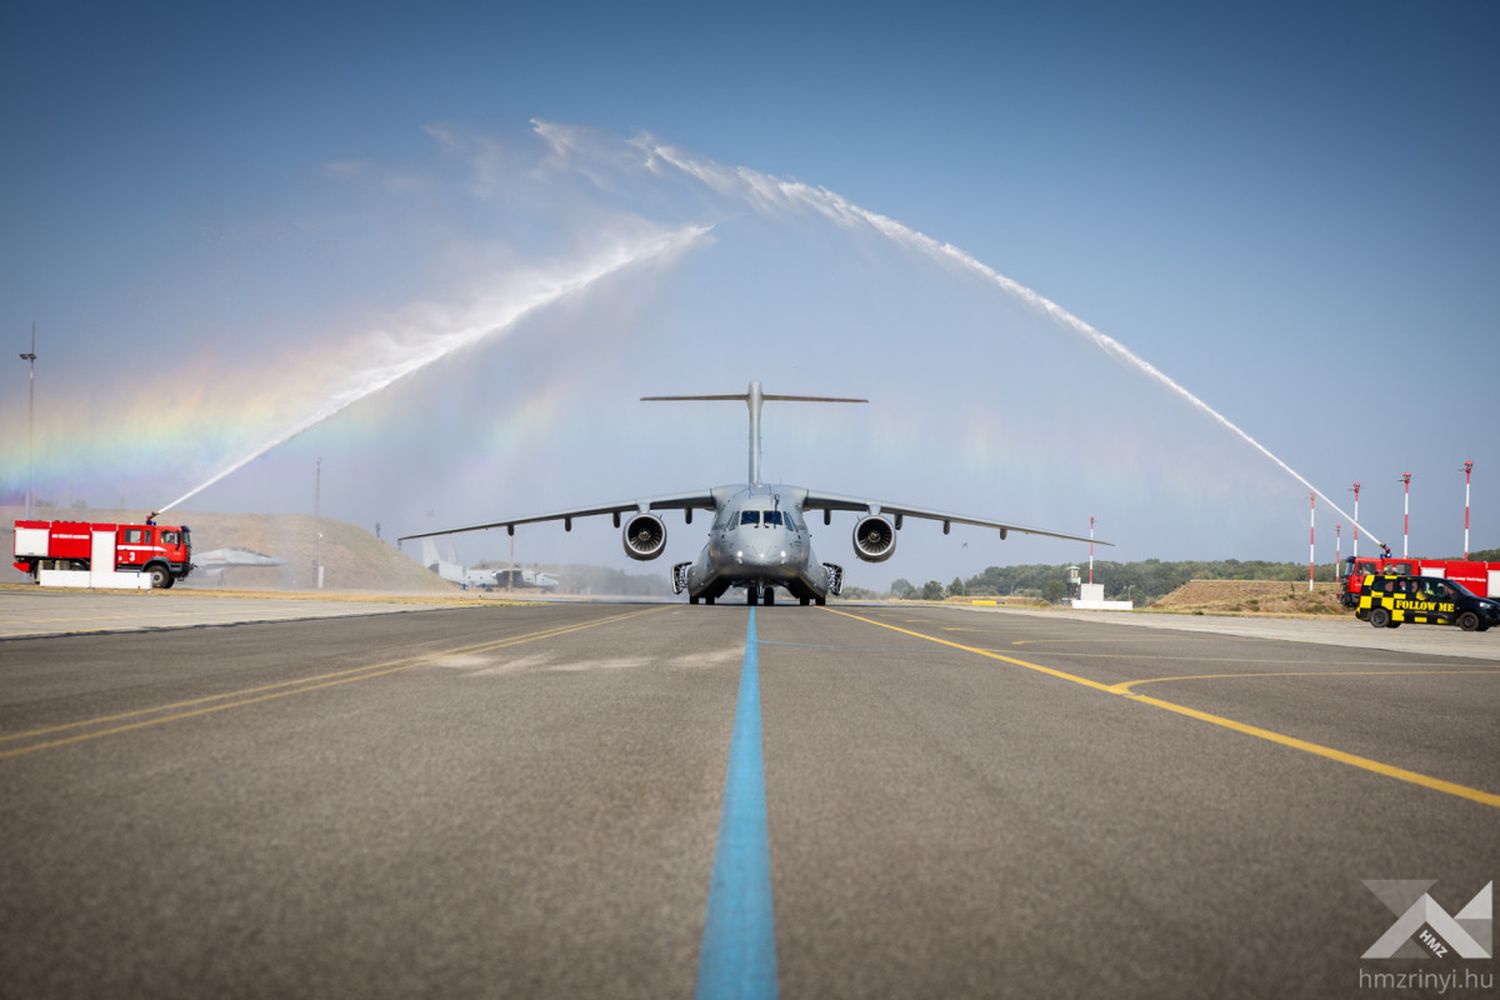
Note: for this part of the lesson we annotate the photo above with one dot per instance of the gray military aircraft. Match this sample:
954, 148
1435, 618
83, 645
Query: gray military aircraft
759, 538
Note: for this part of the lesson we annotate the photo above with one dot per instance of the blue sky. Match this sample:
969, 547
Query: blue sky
1287, 208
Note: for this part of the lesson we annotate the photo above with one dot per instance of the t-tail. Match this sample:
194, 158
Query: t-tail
753, 398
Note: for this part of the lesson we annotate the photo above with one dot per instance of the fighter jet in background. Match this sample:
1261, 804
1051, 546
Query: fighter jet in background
218, 562
759, 538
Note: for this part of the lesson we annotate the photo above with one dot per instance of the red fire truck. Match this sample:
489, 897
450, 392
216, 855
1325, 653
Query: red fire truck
162, 552
1480, 578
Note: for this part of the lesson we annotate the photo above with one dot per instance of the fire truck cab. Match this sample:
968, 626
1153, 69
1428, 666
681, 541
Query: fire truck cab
161, 553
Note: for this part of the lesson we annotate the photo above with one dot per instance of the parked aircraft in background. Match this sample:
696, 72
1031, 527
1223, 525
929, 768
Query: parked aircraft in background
514, 578
759, 538
218, 562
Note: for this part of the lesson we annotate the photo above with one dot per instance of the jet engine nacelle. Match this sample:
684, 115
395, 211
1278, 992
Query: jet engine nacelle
645, 537
874, 539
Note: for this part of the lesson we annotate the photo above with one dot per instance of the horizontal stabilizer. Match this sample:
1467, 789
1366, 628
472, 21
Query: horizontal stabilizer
753, 398
744, 397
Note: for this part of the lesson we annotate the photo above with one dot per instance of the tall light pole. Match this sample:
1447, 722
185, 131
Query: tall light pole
1091, 548
318, 523
1356, 519
1338, 547
30, 358
1312, 557
1405, 510
1468, 468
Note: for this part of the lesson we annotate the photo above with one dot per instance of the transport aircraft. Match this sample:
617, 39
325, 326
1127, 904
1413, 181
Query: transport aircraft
453, 571
759, 538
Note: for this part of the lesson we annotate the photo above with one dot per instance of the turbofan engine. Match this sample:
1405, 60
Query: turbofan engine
874, 539
645, 537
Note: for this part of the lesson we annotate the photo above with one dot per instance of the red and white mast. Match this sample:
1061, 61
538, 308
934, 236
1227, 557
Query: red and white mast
1405, 510
1338, 547
1356, 519
1091, 548
1312, 514
1468, 468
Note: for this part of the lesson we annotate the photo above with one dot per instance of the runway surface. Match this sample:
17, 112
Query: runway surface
29, 611
530, 801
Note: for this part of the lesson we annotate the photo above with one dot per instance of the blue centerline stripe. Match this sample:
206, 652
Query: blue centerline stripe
738, 958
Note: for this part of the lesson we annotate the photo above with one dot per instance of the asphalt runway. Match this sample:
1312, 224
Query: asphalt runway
555, 800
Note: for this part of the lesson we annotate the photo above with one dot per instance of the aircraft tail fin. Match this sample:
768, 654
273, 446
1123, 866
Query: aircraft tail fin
753, 398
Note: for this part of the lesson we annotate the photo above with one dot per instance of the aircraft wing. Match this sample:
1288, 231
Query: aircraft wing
832, 501
702, 500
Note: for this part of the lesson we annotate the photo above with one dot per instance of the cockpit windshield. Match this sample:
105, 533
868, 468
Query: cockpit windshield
773, 517
750, 517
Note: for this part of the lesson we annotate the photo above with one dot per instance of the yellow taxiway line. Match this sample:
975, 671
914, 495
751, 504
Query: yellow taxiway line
1124, 687
1281, 739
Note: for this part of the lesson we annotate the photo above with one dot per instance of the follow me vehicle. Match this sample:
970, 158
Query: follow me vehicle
1389, 601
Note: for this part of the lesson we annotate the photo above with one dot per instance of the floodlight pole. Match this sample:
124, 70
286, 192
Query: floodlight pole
1338, 547
1468, 469
30, 359
1405, 510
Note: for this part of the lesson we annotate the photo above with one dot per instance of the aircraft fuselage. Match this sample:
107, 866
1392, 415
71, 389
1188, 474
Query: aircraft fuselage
759, 539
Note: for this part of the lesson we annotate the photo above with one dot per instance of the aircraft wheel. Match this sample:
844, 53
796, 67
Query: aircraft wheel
708, 600
692, 599
822, 601
1380, 617
769, 597
1468, 621
806, 601
750, 596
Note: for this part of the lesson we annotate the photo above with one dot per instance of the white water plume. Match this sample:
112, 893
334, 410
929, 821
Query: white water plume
769, 194
415, 350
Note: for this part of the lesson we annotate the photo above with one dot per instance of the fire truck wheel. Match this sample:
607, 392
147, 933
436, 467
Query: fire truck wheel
1380, 617
160, 577
1468, 621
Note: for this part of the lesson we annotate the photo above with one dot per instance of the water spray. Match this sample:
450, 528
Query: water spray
768, 193
435, 347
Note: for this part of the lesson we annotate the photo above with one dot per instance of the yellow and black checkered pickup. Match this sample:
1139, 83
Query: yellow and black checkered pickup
1395, 604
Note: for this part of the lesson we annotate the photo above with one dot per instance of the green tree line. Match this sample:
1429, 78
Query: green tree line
1142, 582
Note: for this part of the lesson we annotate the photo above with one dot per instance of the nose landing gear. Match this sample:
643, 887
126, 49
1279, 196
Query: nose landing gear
759, 593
